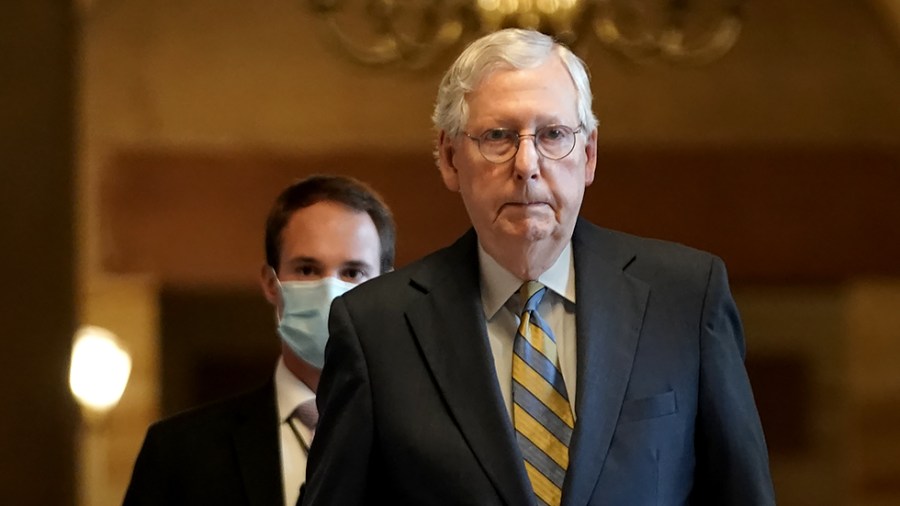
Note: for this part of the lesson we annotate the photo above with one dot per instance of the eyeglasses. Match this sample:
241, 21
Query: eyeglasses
500, 145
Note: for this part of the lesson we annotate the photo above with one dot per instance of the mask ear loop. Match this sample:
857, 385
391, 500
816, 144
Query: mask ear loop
275, 275
280, 293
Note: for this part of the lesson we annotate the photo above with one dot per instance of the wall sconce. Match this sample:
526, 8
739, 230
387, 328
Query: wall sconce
99, 369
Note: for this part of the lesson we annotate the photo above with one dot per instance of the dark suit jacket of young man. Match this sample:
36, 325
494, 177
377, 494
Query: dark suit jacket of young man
411, 411
226, 453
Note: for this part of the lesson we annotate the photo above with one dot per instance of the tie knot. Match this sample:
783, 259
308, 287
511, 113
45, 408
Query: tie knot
307, 413
532, 292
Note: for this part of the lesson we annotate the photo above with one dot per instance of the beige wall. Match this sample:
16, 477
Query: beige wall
844, 339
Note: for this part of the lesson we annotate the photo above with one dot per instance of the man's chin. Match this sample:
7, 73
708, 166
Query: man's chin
528, 231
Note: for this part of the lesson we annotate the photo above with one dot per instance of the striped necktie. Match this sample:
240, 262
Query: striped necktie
542, 415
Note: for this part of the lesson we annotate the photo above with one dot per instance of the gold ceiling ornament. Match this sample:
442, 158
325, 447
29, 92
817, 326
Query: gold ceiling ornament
413, 33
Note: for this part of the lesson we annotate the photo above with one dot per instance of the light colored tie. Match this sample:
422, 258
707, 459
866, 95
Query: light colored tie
307, 413
542, 415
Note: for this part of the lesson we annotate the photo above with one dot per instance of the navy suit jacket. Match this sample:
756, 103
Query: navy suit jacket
226, 453
411, 410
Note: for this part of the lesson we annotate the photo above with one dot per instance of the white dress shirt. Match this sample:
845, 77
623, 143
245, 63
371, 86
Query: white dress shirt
557, 308
290, 392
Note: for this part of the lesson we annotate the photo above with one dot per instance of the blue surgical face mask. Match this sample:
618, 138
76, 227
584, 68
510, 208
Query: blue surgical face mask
304, 317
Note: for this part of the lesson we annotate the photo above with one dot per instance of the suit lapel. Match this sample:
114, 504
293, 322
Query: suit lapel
448, 323
256, 442
609, 314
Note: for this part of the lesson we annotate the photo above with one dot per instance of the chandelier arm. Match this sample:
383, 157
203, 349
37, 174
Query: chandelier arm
670, 44
720, 41
442, 24
392, 45
607, 31
383, 51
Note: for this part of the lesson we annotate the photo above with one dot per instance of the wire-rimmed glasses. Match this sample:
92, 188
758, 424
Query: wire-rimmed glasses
500, 145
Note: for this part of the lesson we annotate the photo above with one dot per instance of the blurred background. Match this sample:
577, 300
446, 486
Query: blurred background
143, 141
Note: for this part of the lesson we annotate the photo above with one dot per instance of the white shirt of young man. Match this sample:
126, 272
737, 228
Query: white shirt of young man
502, 313
290, 392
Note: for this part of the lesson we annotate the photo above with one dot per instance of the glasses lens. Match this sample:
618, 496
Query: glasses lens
555, 141
498, 144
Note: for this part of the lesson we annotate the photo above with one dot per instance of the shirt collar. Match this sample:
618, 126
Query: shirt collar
498, 284
290, 392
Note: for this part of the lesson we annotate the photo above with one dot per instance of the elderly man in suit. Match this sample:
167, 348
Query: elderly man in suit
539, 359
324, 235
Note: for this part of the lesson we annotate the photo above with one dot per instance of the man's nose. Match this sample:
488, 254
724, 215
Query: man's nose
526, 160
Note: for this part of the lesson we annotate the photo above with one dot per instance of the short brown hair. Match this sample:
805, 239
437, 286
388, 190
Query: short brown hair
345, 190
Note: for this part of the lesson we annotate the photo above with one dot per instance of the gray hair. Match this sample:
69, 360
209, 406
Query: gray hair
512, 48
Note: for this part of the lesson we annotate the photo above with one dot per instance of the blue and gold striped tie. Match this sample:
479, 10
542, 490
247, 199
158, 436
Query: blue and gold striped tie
542, 415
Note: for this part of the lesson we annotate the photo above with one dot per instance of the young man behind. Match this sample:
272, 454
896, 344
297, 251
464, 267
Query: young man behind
324, 235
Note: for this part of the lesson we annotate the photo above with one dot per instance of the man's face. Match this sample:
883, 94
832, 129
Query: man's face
327, 239
529, 198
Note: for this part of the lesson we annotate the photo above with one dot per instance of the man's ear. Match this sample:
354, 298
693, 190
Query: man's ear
446, 165
269, 284
590, 162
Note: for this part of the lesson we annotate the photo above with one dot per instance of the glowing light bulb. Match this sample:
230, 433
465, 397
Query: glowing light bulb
99, 368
